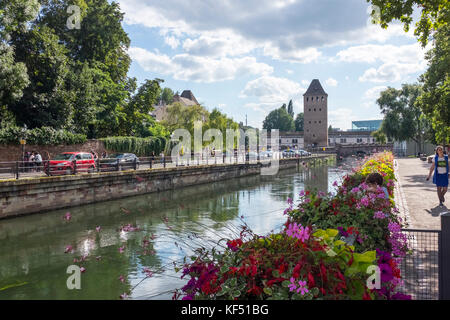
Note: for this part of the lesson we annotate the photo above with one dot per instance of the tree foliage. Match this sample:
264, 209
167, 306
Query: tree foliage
434, 14
403, 118
299, 122
279, 119
435, 99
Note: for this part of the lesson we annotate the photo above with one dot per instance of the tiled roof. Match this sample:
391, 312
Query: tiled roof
315, 88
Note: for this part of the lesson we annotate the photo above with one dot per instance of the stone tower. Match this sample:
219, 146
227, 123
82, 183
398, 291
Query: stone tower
315, 102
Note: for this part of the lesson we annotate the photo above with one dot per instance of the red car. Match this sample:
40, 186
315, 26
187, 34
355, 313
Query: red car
64, 163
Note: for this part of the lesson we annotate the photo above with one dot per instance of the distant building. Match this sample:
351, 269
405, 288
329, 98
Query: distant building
295, 140
315, 111
187, 98
366, 125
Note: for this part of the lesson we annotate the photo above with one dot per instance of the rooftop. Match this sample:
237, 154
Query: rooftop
315, 88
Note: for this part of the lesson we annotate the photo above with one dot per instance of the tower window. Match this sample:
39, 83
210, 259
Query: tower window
322, 98
314, 109
320, 109
307, 99
309, 110
317, 98
320, 121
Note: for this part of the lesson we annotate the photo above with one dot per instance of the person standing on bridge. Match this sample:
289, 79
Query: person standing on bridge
441, 171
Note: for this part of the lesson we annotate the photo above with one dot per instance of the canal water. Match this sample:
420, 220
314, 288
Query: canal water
118, 258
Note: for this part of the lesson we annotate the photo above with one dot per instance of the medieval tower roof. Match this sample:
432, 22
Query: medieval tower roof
315, 88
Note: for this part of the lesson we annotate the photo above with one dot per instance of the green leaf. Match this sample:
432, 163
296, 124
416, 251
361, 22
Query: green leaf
285, 284
268, 291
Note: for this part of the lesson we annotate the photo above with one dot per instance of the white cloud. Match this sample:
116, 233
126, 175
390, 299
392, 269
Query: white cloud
271, 93
341, 118
374, 93
331, 82
397, 62
172, 42
286, 30
198, 69
390, 72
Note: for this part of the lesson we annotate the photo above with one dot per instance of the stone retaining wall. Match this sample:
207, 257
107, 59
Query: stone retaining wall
26, 196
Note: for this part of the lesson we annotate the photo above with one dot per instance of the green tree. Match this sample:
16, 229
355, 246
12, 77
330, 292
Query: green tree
279, 119
433, 15
290, 109
379, 136
403, 118
101, 37
167, 96
435, 99
45, 101
299, 122
138, 119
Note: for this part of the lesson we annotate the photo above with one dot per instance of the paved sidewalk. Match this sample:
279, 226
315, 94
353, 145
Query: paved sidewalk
417, 198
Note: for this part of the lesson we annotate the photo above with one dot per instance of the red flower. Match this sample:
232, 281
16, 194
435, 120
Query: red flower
296, 271
311, 281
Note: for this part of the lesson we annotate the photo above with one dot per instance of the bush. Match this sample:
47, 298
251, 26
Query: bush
317, 255
293, 265
138, 146
40, 136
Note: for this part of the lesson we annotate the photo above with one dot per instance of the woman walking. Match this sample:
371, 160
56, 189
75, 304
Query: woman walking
440, 177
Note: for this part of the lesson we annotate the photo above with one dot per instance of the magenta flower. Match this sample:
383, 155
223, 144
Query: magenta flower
98, 228
379, 215
302, 193
292, 286
67, 216
121, 249
69, 249
365, 201
335, 184
302, 287
124, 296
122, 279
82, 269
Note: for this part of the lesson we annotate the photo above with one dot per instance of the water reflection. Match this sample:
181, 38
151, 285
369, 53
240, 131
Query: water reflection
33, 263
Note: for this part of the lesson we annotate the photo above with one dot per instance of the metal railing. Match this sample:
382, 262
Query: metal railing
22, 169
426, 269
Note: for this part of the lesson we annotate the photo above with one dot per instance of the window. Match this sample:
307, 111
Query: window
314, 109
307, 99
314, 135
294, 141
343, 140
322, 99
320, 121
310, 122
317, 98
87, 156
320, 109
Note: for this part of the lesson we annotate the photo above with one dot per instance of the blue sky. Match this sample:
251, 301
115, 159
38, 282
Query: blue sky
249, 57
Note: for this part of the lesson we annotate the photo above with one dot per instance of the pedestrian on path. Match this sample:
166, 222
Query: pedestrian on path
38, 161
441, 171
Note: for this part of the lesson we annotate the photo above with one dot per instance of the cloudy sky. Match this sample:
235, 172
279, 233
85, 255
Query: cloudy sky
249, 57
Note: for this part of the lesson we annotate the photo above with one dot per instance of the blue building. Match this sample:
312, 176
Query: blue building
366, 125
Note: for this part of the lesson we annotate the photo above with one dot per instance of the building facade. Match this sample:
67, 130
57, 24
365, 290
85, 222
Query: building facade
315, 111
187, 98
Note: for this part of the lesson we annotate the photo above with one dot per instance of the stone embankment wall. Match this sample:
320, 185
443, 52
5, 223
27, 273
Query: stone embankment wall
26, 196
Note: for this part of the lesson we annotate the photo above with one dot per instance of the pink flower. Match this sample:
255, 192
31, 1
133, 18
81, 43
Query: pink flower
379, 215
121, 279
69, 249
302, 287
121, 249
82, 269
147, 272
67, 216
98, 228
124, 296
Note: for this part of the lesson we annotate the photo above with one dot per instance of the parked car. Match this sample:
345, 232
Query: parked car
289, 154
266, 154
65, 163
123, 160
303, 153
